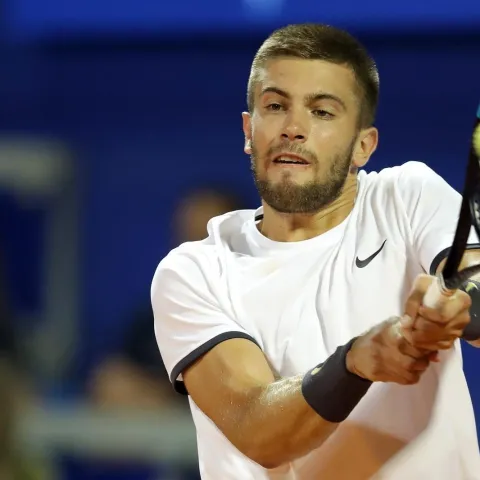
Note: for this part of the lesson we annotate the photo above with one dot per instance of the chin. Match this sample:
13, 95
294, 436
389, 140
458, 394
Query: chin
278, 178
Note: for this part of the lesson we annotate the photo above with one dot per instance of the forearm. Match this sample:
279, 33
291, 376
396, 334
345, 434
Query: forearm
288, 418
280, 425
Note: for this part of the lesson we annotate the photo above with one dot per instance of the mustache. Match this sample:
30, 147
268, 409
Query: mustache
294, 149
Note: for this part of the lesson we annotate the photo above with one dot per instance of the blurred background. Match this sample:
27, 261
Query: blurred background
120, 136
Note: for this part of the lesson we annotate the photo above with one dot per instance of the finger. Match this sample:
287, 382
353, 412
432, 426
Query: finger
434, 357
454, 306
403, 338
428, 331
418, 365
406, 326
415, 298
407, 322
419, 343
421, 365
460, 322
404, 378
394, 366
402, 363
431, 314
434, 346
399, 375
428, 345
408, 349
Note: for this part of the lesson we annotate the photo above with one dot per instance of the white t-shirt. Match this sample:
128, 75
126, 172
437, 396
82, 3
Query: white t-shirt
300, 300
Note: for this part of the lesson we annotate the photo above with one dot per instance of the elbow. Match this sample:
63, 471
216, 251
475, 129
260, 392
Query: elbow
267, 456
270, 465
274, 453
269, 462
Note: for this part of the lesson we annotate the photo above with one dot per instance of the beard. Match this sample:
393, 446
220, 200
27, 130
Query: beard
287, 196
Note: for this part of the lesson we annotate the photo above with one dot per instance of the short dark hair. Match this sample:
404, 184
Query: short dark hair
312, 41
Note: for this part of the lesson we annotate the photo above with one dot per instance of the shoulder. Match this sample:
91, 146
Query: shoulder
407, 182
409, 174
201, 260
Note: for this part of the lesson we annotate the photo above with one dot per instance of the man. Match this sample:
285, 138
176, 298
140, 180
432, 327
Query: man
263, 324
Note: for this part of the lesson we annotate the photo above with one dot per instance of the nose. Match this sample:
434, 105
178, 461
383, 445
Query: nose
294, 129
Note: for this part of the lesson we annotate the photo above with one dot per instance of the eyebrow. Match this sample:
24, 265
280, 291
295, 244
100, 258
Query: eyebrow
310, 98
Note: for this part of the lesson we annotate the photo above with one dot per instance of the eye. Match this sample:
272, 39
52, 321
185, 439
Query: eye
274, 107
322, 114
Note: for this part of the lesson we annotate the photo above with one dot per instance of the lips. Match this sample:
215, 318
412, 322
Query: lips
290, 159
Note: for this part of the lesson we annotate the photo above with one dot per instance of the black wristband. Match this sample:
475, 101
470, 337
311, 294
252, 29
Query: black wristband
472, 330
331, 390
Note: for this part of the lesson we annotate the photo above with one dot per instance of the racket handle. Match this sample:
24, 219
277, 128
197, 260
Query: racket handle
437, 294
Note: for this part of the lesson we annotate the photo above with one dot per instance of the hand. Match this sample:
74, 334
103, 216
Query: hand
432, 329
384, 355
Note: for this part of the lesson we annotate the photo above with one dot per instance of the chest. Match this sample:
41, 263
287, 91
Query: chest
300, 306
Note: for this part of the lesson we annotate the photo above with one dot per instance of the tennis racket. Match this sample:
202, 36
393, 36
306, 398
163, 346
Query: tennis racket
450, 279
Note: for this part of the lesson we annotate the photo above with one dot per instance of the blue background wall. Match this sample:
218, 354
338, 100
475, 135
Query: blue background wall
147, 117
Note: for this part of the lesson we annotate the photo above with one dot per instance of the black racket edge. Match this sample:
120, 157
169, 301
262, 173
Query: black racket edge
452, 278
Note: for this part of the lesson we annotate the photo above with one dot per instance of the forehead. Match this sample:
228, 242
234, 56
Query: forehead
301, 77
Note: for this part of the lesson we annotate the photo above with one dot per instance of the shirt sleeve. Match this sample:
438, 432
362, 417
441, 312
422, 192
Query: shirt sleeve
188, 318
432, 207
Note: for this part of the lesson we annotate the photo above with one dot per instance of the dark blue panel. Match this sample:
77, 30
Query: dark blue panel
33, 19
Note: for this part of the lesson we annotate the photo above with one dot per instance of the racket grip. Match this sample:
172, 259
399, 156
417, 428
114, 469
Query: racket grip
437, 294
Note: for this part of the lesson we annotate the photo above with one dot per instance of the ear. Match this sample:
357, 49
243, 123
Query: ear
247, 131
365, 146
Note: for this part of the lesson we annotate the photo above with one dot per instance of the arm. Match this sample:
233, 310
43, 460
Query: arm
275, 422
268, 421
212, 357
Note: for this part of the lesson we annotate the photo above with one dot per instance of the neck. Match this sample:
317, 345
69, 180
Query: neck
295, 227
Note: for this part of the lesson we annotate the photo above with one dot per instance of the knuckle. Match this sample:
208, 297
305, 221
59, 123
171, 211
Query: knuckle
376, 369
422, 278
463, 297
414, 378
446, 316
465, 319
402, 345
418, 338
413, 300
445, 344
412, 304
408, 363
423, 365
423, 281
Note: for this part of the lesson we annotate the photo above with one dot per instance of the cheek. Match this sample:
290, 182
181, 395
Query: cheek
264, 132
259, 144
330, 138
325, 132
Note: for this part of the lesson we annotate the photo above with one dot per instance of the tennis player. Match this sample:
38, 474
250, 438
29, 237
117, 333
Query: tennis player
298, 330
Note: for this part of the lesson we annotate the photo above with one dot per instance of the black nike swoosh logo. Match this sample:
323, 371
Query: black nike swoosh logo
363, 263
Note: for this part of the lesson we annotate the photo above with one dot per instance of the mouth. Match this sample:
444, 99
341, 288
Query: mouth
290, 159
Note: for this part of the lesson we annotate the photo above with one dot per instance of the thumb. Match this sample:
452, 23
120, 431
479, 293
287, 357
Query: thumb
406, 327
415, 299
